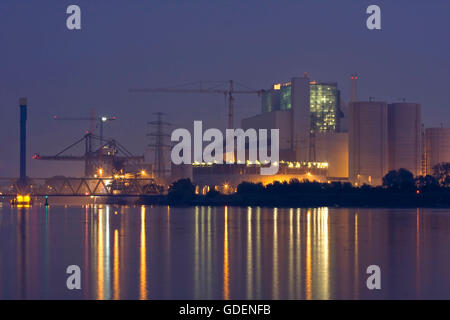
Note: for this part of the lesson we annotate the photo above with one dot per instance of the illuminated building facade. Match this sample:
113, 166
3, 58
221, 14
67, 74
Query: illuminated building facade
309, 107
226, 177
324, 106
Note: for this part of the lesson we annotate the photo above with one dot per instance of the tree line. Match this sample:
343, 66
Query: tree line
399, 187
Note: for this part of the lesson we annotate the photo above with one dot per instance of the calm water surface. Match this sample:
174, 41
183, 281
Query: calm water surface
223, 252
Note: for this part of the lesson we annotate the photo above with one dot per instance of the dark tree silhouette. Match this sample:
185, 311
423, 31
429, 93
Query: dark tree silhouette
427, 183
249, 187
441, 172
212, 193
181, 191
401, 180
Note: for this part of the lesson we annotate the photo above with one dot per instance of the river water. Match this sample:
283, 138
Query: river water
223, 252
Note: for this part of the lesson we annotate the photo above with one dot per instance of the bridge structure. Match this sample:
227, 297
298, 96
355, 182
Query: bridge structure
118, 186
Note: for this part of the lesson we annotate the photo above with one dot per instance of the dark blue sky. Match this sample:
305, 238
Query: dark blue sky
126, 44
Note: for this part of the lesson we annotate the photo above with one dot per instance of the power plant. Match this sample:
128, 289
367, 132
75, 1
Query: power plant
357, 143
321, 138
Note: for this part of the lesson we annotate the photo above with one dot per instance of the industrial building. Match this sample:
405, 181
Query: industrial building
332, 148
307, 114
301, 109
437, 147
323, 105
368, 142
277, 119
404, 136
375, 138
226, 177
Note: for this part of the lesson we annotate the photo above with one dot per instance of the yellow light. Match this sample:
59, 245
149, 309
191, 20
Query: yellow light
19, 198
277, 86
143, 173
100, 172
26, 198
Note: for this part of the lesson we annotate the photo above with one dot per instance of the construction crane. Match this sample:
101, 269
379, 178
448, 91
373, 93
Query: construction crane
228, 93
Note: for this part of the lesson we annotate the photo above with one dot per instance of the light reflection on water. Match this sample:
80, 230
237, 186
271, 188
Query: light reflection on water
223, 252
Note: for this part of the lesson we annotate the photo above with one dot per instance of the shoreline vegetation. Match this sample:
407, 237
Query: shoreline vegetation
400, 189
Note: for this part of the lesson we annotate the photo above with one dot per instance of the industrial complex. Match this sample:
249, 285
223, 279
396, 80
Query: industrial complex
321, 138
324, 139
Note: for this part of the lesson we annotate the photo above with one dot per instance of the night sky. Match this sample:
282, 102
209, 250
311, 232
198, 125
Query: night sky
127, 44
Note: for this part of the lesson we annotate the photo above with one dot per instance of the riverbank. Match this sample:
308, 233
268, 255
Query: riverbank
381, 199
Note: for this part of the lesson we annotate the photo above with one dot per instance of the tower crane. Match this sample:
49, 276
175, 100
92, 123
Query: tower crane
228, 93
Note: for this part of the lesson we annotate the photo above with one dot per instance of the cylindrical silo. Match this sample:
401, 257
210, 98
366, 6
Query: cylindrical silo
437, 147
404, 137
368, 147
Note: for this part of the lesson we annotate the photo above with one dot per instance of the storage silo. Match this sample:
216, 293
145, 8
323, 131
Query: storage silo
437, 147
368, 147
404, 137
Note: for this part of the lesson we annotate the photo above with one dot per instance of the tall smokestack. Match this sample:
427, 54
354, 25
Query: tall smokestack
23, 141
353, 93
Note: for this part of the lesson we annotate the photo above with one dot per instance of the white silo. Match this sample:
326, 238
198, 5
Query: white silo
368, 147
437, 147
404, 137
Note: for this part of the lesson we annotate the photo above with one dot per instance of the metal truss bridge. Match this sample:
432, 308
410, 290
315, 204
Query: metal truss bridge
66, 186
